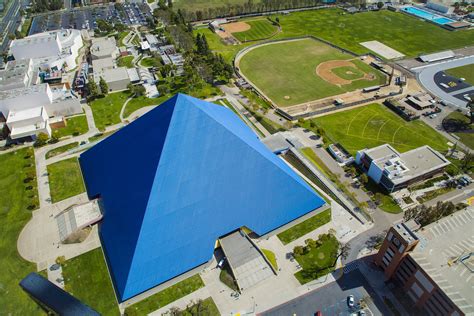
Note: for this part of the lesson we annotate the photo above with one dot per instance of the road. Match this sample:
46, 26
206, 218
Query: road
9, 24
332, 299
456, 196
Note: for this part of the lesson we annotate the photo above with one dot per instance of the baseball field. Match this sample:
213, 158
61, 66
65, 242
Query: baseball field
253, 30
374, 125
299, 71
406, 34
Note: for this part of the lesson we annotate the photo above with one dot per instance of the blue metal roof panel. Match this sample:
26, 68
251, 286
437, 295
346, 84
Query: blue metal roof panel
213, 176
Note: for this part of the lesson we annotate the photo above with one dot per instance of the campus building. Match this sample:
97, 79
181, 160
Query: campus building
52, 50
434, 265
393, 170
191, 173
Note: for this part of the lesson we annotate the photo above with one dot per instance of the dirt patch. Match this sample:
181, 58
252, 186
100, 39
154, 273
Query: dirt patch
236, 27
324, 70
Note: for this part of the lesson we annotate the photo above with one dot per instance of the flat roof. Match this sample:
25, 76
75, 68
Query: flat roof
381, 151
421, 160
16, 116
103, 46
103, 63
437, 56
13, 93
276, 143
440, 253
114, 74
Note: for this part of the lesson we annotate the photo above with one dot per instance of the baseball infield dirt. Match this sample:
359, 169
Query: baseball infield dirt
235, 27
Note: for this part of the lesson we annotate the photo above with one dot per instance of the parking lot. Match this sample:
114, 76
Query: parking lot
332, 299
86, 18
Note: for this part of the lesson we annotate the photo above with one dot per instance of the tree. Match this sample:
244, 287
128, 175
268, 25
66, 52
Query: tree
92, 89
298, 250
380, 5
364, 178
343, 251
136, 90
104, 88
470, 106
41, 139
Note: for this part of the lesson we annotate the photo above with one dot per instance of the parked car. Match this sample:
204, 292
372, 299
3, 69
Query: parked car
221, 263
350, 301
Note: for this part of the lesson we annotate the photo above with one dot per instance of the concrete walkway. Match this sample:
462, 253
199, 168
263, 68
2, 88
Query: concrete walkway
229, 95
39, 241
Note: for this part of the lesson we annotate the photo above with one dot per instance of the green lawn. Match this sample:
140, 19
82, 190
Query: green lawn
406, 34
271, 257
206, 307
259, 30
373, 125
142, 101
17, 200
87, 278
75, 126
25, 27
305, 227
286, 72
120, 37
60, 150
106, 110
466, 72
194, 5
318, 261
149, 62
126, 61
166, 296
100, 136
217, 46
65, 179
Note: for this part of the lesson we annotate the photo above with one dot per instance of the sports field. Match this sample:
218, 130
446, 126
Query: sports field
406, 34
193, 5
295, 72
257, 30
372, 125
466, 72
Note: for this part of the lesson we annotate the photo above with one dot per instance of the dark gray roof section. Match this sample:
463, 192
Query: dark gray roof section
53, 297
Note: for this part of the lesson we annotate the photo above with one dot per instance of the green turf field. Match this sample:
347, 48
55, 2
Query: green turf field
466, 72
193, 5
65, 179
288, 69
259, 30
404, 33
348, 73
373, 125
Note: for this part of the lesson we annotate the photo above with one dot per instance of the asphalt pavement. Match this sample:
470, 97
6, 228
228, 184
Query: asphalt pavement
332, 299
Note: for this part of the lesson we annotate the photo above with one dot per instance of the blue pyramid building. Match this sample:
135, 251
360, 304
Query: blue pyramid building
175, 180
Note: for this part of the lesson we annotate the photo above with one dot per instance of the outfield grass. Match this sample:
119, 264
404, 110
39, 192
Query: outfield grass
126, 61
60, 150
16, 203
318, 261
466, 72
259, 30
288, 69
87, 278
106, 110
373, 125
166, 296
406, 34
305, 227
75, 126
65, 179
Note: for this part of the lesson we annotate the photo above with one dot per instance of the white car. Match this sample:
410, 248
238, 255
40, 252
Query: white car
350, 301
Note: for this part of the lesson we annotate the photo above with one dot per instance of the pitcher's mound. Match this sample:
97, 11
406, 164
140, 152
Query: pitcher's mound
286, 97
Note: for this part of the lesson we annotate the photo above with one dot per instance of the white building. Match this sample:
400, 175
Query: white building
393, 170
28, 122
53, 49
17, 74
104, 47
